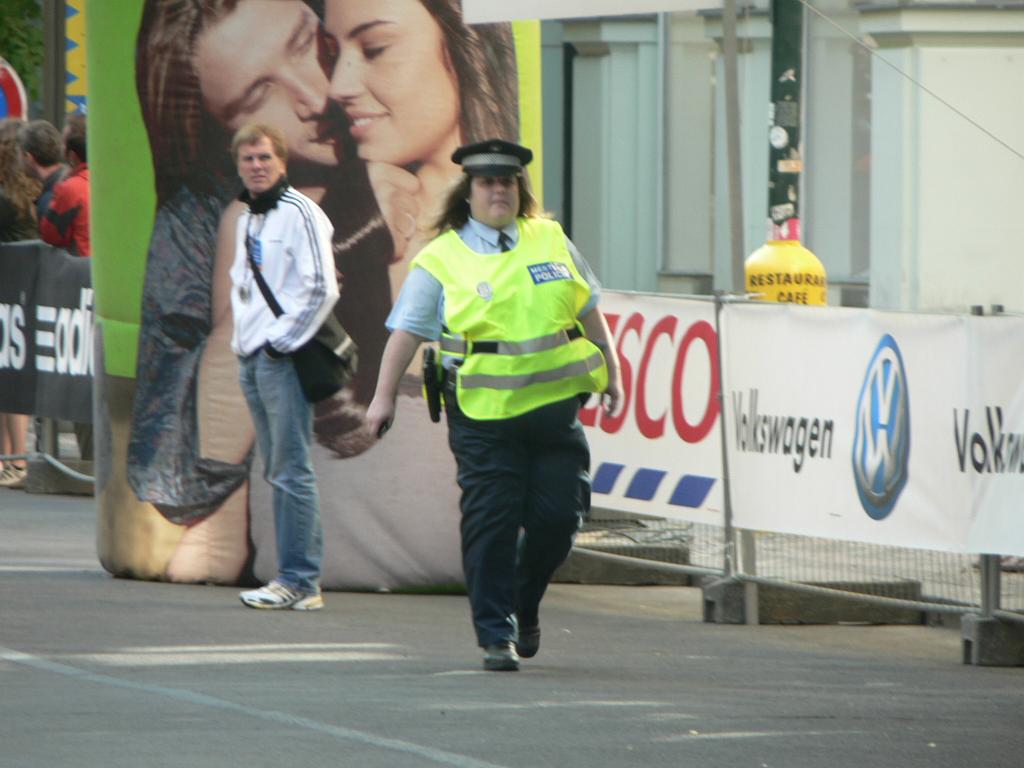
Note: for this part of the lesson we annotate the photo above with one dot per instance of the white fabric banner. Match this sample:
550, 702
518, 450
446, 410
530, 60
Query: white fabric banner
484, 11
881, 427
660, 453
886, 428
988, 435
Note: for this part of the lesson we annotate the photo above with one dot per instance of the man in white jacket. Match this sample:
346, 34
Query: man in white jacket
287, 238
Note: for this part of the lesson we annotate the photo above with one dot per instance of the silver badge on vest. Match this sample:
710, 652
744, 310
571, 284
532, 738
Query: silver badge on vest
484, 290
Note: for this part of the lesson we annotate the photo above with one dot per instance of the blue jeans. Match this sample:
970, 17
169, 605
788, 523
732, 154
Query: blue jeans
283, 419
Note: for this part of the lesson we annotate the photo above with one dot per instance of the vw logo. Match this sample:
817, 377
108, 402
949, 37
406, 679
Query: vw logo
881, 442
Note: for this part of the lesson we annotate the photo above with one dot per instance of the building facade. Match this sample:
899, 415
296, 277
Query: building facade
912, 142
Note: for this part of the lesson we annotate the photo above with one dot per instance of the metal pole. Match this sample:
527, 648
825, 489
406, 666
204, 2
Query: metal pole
54, 71
991, 585
732, 140
729, 534
748, 552
47, 438
990, 566
662, 117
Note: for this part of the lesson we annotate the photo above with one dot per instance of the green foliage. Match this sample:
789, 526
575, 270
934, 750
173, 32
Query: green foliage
21, 40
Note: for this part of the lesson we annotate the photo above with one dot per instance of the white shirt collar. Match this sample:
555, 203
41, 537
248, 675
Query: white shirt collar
490, 234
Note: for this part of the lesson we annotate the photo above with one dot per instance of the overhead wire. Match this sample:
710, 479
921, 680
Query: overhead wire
874, 52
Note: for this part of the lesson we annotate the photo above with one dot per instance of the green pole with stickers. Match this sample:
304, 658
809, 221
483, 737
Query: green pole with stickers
783, 269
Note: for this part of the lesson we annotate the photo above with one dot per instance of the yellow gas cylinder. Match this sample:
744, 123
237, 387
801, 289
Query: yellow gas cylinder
785, 271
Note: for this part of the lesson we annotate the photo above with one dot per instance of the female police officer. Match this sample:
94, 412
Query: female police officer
515, 308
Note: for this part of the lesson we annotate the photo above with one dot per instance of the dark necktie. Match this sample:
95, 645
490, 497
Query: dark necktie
504, 242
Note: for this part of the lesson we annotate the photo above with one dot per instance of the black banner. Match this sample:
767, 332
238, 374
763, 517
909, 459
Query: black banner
18, 268
46, 332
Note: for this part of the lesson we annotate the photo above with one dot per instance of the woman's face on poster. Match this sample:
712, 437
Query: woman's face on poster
259, 63
394, 80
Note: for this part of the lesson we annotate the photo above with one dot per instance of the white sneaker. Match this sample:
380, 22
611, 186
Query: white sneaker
278, 596
13, 477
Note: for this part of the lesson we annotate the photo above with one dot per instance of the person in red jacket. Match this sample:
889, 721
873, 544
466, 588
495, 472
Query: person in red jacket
66, 221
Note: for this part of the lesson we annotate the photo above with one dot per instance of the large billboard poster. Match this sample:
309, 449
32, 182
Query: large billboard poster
373, 97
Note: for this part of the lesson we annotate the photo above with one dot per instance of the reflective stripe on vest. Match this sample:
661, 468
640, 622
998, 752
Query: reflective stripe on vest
455, 346
578, 368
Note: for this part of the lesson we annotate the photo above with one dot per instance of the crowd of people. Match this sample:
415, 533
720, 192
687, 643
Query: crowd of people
44, 195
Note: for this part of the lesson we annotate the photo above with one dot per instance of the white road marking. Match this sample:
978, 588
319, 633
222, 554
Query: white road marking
198, 659
255, 647
697, 736
255, 653
668, 716
501, 705
281, 718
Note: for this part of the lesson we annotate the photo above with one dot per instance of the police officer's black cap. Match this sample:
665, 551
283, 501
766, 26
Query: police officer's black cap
494, 157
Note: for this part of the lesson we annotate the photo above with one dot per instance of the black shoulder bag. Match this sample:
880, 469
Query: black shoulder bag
325, 363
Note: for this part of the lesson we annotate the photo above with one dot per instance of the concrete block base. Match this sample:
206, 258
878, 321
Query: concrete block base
991, 642
582, 567
42, 477
725, 602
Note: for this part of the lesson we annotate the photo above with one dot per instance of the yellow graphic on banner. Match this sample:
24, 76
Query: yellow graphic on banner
75, 89
527, 37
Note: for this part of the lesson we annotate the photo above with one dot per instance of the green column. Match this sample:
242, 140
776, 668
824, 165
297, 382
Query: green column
785, 160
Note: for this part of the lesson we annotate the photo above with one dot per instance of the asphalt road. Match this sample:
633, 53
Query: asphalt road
97, 672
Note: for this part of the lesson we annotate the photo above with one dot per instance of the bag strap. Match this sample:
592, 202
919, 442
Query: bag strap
268, 295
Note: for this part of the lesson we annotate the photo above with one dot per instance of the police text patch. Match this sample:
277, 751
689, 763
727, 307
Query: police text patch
545, 273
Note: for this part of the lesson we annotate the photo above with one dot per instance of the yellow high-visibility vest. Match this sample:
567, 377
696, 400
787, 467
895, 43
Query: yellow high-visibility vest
521, 346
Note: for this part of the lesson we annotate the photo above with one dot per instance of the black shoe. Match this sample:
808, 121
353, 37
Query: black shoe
501, 657
529, 641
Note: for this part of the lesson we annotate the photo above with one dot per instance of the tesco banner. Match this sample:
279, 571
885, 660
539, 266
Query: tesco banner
880, 427
660, 453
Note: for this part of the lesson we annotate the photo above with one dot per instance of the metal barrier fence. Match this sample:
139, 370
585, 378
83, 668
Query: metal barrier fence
45, 435
948, 582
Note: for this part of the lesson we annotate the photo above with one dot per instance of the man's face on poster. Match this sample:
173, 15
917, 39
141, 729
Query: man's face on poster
260, 64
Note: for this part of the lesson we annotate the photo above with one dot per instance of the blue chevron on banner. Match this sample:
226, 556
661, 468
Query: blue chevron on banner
689, 491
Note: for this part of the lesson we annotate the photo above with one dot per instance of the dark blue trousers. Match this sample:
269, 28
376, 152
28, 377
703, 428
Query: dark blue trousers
525, 488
